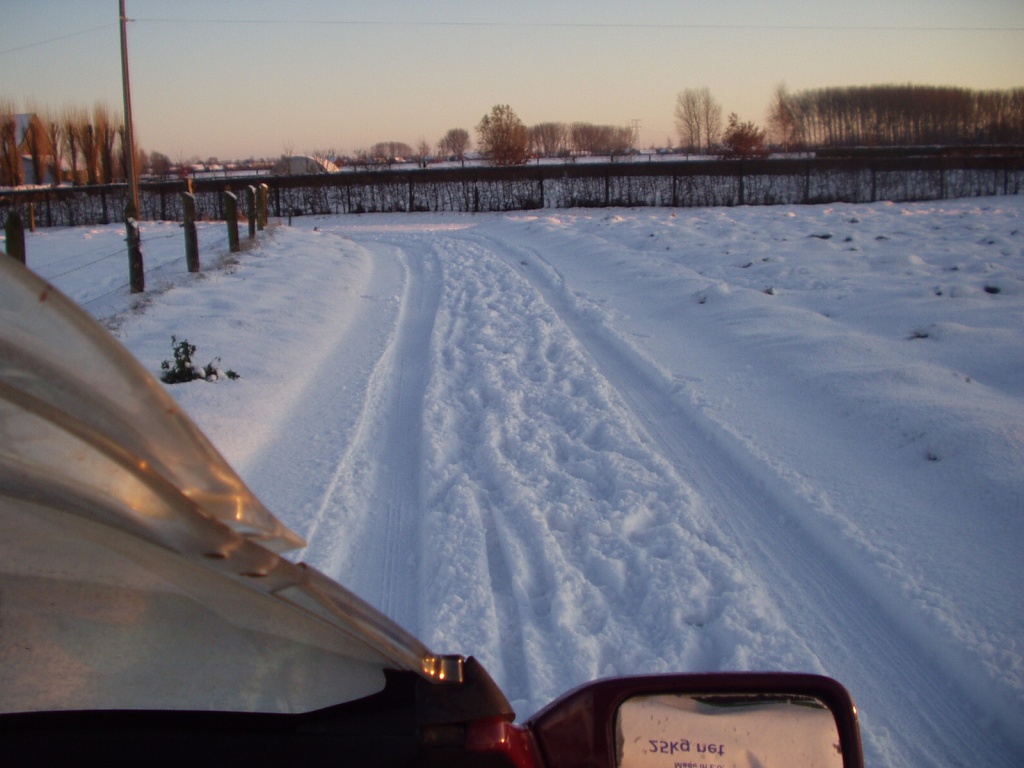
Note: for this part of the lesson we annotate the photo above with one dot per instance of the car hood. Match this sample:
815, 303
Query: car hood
137, 571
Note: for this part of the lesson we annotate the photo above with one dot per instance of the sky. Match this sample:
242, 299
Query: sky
234, 80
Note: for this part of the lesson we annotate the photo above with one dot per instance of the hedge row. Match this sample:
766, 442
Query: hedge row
665, 184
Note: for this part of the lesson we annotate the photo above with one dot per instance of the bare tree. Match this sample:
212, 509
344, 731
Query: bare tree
688, 123
104, 138
159, 164
454, 144
584, 138
106, 129
73, 121
549, 139
783, 127
590, 139
621, 139
711, 116
90, 151
54, 137
503, 137
10, 156
698, 119
362, 158
422, 155
391, 151
34, 143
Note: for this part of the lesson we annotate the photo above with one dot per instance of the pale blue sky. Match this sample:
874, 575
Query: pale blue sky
233, 79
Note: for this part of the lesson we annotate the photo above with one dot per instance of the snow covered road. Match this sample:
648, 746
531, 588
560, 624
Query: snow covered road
579, 444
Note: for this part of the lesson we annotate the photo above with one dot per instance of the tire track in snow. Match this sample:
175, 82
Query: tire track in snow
563, 549
769, 526
299, 471
399, 484
484, 536
373, 501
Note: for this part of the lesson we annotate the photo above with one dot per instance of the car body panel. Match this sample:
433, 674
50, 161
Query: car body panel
136, 568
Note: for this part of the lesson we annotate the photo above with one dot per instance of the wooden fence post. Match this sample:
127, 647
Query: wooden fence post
188, 207
231, 214
15, 233
262, 200
31, 217
136, 272
250, 204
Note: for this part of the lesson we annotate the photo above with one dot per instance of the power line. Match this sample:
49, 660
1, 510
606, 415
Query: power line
55, 39
587, 25
531, 25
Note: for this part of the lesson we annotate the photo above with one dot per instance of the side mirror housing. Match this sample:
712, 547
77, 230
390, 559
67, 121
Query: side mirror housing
718, 719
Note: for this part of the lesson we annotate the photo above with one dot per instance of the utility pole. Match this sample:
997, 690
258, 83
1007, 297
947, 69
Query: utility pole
136, 274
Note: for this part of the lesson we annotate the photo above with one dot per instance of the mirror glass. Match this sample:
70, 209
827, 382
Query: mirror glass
726, 731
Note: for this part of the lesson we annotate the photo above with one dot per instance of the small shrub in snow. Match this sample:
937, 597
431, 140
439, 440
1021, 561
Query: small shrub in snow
184, 369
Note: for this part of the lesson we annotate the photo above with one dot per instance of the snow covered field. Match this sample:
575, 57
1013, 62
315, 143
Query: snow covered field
596, 442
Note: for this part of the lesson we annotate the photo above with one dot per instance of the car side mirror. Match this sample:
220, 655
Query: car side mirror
709, 720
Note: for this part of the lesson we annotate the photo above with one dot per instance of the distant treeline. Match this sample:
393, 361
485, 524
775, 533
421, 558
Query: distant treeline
566, 139
896, 115
551, 139
78, 145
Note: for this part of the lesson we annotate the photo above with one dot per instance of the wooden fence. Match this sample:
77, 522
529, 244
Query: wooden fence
699, 183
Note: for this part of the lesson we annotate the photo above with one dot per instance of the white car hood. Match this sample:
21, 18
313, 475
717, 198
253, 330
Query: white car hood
137, 571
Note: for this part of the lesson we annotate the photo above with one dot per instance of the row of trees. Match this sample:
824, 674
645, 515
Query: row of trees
77, 144
900, 115
454, 144
566, 139
885, 115
504, 139
699, 125
88, 146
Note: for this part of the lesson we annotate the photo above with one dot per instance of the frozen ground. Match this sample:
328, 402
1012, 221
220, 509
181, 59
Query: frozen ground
587, 443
